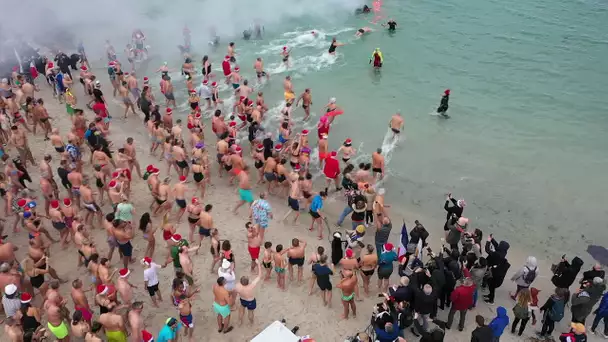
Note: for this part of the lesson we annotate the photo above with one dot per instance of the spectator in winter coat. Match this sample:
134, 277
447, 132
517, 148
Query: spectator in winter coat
453, 211
525, 276
566, 273
497, 265
478, 271
596, 271
436, 333
425, 303
584, 299
499, 323
576, 334
462, 301
455, 231
452, 272
601, 313
553, 311
418, 233
482, 333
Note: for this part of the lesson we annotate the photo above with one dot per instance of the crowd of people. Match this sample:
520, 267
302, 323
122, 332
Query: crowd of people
97, 192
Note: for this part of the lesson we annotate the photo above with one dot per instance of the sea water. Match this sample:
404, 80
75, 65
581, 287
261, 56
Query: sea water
525, 144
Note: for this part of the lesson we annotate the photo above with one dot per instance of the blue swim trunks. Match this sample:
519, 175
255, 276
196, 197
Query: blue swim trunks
249, 304
246, 195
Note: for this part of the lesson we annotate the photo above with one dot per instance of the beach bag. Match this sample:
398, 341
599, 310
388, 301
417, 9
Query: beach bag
520, 311
530, 276
557, 310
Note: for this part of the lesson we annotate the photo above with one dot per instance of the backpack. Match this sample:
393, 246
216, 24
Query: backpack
557, 310
521, 312
530, 276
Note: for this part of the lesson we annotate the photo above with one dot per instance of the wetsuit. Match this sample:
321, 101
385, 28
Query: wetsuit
443, 106
392, 25
332, 48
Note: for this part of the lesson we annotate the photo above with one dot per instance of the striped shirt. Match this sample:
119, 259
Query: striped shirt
11, 305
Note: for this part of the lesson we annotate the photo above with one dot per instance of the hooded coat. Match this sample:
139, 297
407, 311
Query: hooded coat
566, 273
500, 322
520, 276
497, 261
602, 310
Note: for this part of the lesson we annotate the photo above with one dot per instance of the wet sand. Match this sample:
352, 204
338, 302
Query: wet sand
294, 305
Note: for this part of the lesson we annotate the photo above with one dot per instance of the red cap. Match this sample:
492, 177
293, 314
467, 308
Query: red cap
146, 336
113, 184
232, 123
67, 202
124, 272
102, 289
447, 92
214, 84
176, 237
169, 111
205, 81
278, 147
305, 132
150, 168
194, 200
388, 246
260, 147
84, 68
147, 260
182, 179
349, 253
26, 297
54, 204
22, 202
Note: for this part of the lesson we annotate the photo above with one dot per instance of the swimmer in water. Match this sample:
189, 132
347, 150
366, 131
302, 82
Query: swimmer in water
377, 58
392, 25
285, 55
396, 124
314, 33
364, 9
333, 46
443, 105
360, 32
164, 69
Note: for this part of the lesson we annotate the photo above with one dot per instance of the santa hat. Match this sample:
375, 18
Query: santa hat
26, 298
126, 74
169, 111
84, 68
67, 202
348, 142
232, 123
124, 272
260, 148
238, 149
146, 261
150, 168
205, 82
115, 174
297, 168
155, 171
102, 289
388, 247
54, 204
237, 68
146, 79
214, 84
113, 184
146, 336
194, 200
21, 202
192, 91
197, 115
447, 92
305, 132
226, 58
284, 48
333, 154
182, 179
176, 238
112, 63
278, 147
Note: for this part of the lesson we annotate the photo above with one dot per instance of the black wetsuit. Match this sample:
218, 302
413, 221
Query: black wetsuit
443, 106
332, 48
392, 25
63, 175
268, 145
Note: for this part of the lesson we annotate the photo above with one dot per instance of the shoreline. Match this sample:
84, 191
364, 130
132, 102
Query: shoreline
294, 305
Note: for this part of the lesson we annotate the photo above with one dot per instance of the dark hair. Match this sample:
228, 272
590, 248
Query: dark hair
480, 320
320, 250
279, 248
110, 217
226, 245
221, 281
348, 169
208, 207
144, 221
267, 244
308, 176
76, 317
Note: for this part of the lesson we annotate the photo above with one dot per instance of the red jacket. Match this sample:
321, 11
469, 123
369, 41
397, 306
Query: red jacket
462, 297
331, 168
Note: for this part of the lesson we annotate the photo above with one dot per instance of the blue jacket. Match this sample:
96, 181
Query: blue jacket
500, 322
383, 336
602, 310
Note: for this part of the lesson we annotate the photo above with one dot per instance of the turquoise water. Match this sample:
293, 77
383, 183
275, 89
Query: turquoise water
525, 144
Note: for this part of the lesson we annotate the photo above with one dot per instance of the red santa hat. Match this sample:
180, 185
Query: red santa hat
113, 184
305, 132
147, 336
26, 298
169, 111
54, 204
67, 202
146, 261
124, 272
102, 289
182, 179
176, 237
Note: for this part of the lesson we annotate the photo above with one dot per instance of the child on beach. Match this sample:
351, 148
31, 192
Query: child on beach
267, 259
280, 265
215, 249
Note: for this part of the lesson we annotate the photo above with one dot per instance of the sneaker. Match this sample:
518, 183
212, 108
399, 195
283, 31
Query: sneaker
604, 336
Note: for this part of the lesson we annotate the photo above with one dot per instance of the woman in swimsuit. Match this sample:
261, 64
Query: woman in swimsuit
193, 99
29, 316
36, 271
167, 148
145, 225
333, 46
215, 94
100, 182
206, 67
284, 133
193, 210
314, 259
294, 159
198, 174
368, 264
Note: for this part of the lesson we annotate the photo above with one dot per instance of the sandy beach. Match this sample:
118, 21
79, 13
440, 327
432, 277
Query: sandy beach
293, 305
